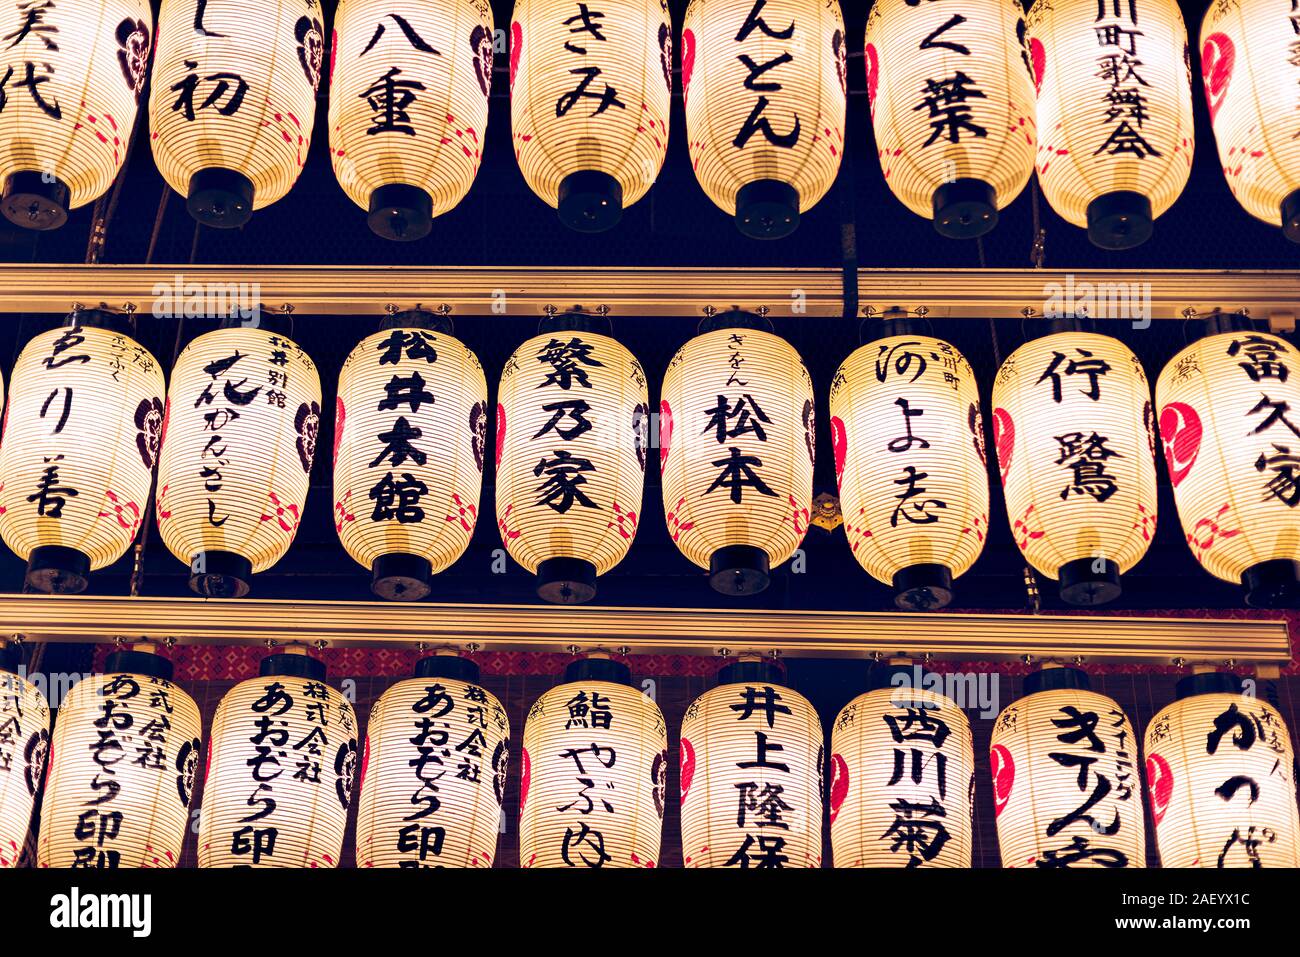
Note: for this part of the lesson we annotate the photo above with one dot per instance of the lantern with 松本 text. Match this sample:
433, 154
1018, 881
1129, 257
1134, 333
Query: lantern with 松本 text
908, 437
410, 434
24, 749
764, 85
595, 769
79, 446
408, 109
1066, 791
122, 768
902, 775
952, 104
233, 101
433, 770
1074, 431
1115, 137
751, 773
290, 741
1220, 778
572, 436
1228, 419
73, 77
590, 89
737, 434
239, 438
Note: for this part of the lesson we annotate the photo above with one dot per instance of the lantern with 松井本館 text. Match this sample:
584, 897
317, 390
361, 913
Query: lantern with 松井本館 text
590, 89
408, 109
24, 749
410, 435
1066, 791
595, 768
289, 740
764, 86
80, 442
122, 768
73, 78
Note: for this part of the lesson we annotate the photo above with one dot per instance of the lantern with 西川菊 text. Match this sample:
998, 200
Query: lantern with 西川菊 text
24, 750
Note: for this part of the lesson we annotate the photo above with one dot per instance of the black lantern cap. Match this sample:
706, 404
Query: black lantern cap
1209, 682
734, 318
566, 581
217, 574
1291, 216
1055, 325
132, 662
965, 208
275, 321
883, 673
289, 665
401, 577
448, 666
575, 320
890, 323
1089, 581
34, 200
590, 201
100, 317
1217, 323
400, 212
1057, 679
58, 570
1272, 584
598, 669
767, 209
220, 198
739, 570
923, 587
751, 672
418, 318
1119, 220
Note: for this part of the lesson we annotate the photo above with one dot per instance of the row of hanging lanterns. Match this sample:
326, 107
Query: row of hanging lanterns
1073, 423
431, 772
966, 104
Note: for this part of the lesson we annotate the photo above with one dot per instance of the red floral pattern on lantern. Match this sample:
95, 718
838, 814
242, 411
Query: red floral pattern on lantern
516, 47
1024, 528
464, 514
840, 448
1160, 786
1207, 531
285, 516
341, 514
1146, 522
160, 506
1218, 56
1004, 440
688, 62
665, 431
839, 784
126, 513
503, 523
1180, 434
624, 521
979, 527
1003, 771
676, 526
340, 414
1038, 61
858, 533
799, 517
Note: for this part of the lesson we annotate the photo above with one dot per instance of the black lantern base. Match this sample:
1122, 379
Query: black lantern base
58, 570
1089, 581
401, 577
1119, 220
566, 581
220, 198
590, 201
767, 209
965, 208
400, 212
1291, 216
131, 662
923, 587
1272, 584
35, 200
739, 570
220, 575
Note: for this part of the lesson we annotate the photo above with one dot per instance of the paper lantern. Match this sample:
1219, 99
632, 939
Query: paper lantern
952, 105
572, 433
908, 435
408, 109
590, 91
433, 770
1251, 78
751, 774
1074, 431
70, 83
764, 85
80, 442
233, 101
282, 756
902, 775
241, 423
1229, 423
24, 748
595, 768
1220, 778
122, 765
410, 433
737, 436
1115, 136
1066, 791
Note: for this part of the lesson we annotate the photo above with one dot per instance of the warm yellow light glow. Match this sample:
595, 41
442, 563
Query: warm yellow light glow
24, 750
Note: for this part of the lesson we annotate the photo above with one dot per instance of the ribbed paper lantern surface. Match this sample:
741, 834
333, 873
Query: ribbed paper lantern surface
751, 775
233, 101
1230, 428
595, 768
1220, 779
908, 435
1251, 77
1072, 423
409, 107
242, 419
764, 85
737, 437
952, 105
70, 81
122, 766
572, 427
24, 750
1115, 137
282, 756
590, 88
79, 447
433, 771
410, 433
1066, 791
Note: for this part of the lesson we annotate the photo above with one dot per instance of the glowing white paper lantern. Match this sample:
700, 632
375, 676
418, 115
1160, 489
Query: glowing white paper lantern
24, 749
